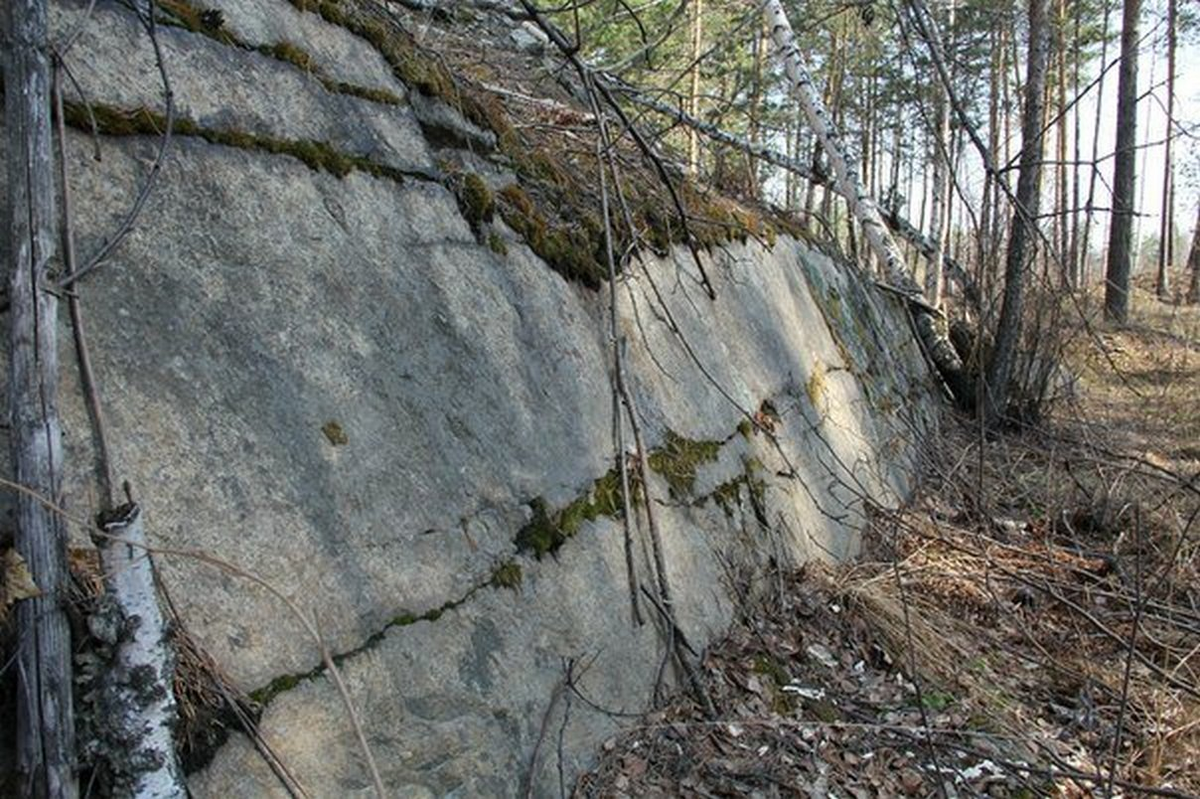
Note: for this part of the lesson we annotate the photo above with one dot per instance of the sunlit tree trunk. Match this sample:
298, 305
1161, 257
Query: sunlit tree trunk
939, 211
1120, 239
1193, 265
1024, 224
694, 88
1062, 215
1085, 243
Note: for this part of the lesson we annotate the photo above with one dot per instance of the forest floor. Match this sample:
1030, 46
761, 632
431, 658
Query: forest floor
1029, 625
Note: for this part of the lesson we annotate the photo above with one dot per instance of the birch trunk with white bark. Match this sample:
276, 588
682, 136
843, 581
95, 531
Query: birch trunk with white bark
140, 703
932, 335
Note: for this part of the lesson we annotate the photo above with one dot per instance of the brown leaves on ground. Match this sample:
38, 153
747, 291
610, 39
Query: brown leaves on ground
1029, 625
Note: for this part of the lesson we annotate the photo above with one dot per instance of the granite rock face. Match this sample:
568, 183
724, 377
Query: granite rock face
330, 382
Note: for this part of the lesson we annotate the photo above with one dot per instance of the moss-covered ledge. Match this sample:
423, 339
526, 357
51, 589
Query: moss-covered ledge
210, 23
554, 205
319, 156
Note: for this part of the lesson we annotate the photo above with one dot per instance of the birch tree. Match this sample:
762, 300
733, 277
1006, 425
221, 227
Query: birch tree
866, 213
45, 717
1166, 239
940, 154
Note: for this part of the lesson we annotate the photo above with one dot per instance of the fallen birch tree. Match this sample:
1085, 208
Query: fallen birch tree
932, 335
895, 222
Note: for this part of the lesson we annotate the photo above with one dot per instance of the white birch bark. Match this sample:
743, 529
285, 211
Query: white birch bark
939, 222
140, 696
866, 212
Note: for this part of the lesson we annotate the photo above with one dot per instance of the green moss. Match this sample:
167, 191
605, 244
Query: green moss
542, 534
727, 494
570, 252
382, 96
823, 710
548, 530
335, 434
476, 200
206, 22
679, 458
507, 575
280, 684
496, 243
745, 428
770, 667
316, 155
292, 54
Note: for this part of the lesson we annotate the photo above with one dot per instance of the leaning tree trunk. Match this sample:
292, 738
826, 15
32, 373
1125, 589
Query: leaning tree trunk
1120, 239
1024, 224
794, 166
934, 339
45, 718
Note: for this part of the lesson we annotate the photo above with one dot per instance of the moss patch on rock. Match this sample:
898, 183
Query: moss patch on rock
678, 460
316, 155
508, 575
549, 529
476, 200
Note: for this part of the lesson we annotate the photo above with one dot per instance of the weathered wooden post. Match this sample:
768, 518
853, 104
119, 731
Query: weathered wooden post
45, 718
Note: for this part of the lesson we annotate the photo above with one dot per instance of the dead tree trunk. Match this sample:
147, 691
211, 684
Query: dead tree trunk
45, 718
1024, 225
141, 713
933, 338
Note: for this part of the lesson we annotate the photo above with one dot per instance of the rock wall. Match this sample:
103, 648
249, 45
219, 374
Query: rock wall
324, 376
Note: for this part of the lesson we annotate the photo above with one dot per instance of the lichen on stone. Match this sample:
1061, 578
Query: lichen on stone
814, 387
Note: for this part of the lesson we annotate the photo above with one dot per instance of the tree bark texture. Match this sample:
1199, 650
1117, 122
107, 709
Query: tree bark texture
939, 219
45, 717
1024, 223
140, 705
1120, 238
1166, 238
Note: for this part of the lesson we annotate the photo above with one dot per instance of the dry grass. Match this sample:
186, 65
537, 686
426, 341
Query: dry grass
1042, 593
1143, 380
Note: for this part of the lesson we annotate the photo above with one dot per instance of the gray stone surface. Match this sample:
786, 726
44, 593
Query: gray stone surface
340, 54
258, 300
231, 89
